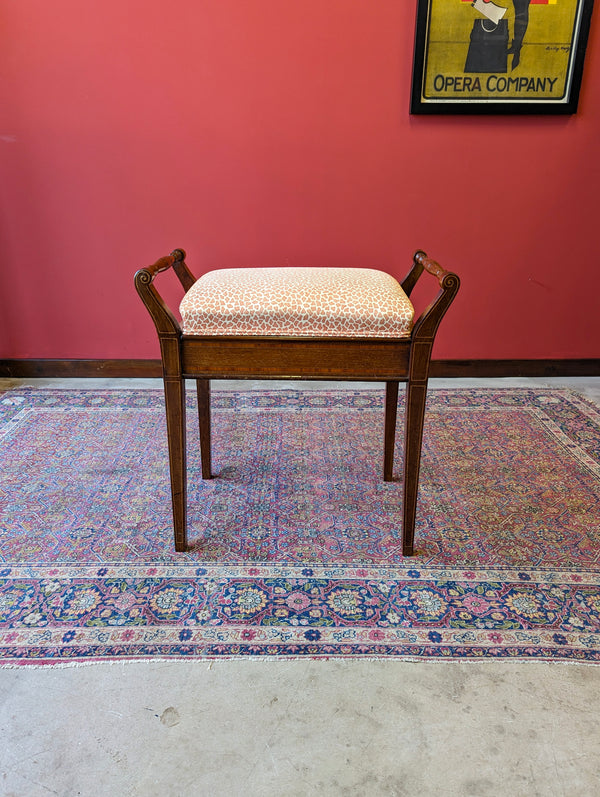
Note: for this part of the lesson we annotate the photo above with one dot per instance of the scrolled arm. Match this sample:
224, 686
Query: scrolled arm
420, 264
163, 317
163, 264
426, 325
430, 266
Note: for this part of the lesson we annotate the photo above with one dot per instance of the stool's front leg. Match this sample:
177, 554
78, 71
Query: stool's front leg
416, 395
175, 408
422, 339
169, 335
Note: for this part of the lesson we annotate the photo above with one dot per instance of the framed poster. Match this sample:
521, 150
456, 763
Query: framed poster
499, 56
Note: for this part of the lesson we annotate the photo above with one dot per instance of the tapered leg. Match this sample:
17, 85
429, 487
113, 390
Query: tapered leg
389, 438
203, 388
175, 407
416, 394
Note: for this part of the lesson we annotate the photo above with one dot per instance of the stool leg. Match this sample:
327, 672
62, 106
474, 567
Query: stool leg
203, 389
389, 437
175, 407
416, 395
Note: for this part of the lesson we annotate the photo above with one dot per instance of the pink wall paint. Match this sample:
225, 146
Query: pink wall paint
275, 133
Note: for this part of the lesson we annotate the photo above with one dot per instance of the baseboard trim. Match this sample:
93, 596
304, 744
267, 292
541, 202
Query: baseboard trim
151, 369
80, 369
478, 369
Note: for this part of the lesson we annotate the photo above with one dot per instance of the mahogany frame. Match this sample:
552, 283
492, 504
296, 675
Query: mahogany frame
204, 358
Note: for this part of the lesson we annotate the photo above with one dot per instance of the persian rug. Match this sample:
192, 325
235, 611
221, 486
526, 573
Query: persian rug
295, 545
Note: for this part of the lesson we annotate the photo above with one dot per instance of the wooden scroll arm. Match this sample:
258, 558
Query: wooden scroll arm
163, 317
426, 325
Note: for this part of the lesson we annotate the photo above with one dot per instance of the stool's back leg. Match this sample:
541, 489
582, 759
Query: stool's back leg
389, 437
203, 390
175, 407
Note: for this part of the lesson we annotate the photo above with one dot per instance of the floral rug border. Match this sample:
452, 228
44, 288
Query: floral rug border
325, 612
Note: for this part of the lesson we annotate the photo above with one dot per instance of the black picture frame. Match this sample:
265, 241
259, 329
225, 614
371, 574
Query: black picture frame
539, 73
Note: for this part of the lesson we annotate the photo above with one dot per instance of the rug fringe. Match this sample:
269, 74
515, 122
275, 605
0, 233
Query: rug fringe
211, 661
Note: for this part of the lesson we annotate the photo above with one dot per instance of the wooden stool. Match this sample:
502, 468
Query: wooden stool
348, 324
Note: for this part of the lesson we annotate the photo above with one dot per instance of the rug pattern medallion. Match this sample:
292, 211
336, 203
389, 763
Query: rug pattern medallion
296, 542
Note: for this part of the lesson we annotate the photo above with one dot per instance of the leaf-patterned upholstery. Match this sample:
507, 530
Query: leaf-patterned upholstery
303, 301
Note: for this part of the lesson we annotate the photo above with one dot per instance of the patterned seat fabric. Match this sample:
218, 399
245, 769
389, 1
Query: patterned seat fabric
299, 302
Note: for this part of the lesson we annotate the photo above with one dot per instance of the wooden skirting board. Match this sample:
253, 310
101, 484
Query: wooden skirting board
148, 369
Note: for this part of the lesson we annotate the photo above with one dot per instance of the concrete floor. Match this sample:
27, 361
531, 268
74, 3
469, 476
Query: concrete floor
263, 727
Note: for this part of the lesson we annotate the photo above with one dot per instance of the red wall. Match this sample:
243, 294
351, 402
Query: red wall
275, 132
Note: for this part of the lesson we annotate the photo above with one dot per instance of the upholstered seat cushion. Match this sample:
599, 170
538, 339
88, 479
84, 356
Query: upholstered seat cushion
300, 302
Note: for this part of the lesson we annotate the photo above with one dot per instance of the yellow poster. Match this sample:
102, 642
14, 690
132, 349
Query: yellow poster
503, 52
